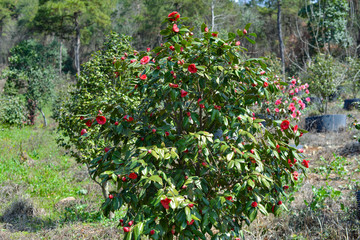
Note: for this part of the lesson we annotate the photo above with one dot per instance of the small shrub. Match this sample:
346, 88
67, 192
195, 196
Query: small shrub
12, 110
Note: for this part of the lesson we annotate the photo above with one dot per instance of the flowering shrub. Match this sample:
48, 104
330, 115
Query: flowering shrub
289, 102
174, 176
100, 86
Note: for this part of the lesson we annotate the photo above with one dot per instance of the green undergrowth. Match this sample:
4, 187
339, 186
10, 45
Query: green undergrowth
34, 169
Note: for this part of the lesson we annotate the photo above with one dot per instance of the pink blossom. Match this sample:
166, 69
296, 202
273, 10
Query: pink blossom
294, 98
277, 102
293, 115
307, 91
296, 90
291, 92
276, 110
293, 81
308, 99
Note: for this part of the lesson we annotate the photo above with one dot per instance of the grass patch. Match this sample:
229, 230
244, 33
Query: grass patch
35, 175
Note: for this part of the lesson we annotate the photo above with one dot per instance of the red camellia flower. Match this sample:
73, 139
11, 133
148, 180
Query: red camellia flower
175, 28
285, 187
183, 93
306, 163
143, 77
152, 232
83, 131
192, 68
82, 118
279, 202
123, 179
285, 124
188, 114
106, 149
266, 84
126, 229
167, 134
295, 128
190, 205
148, 49
173, 16
204, 164
228, 198
116, 123
202, 106
133, 175
173, 85
214, 34
172, 48
145, 60
172, 231
132, 60
190, 223
130, 119
111, 196
154, 130
217, 107
295, 175
165, 202
244, 31
101, 120
206, 29
130, 223
88, 123
254, 204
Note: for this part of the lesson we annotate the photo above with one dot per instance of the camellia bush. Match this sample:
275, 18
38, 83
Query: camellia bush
293, 98
100, 87
169, 171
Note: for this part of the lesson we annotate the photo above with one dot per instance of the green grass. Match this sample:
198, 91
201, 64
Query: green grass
50, 176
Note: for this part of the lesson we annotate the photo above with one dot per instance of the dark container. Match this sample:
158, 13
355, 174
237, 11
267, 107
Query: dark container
348, 103
326, 123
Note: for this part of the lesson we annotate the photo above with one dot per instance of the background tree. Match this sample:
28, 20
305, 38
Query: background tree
74, 16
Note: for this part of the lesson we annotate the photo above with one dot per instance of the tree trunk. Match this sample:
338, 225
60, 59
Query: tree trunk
60, 58
43, 115
105, 192
77, 43
212, 15
281, 43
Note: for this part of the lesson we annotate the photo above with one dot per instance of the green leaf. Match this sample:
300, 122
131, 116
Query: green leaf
138, 229
247, 26
188, 214
253, 213
156, 178
229, 156
250, 40
154, 154
262, 209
